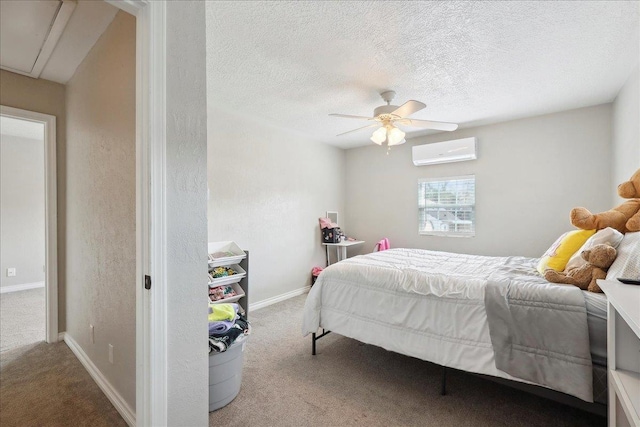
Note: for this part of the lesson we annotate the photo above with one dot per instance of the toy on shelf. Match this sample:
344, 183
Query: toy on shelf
222, 272
221, 292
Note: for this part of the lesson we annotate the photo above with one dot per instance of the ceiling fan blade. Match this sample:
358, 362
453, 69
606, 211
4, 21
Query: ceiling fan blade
408, 108
348, 116
428, 124
355, 130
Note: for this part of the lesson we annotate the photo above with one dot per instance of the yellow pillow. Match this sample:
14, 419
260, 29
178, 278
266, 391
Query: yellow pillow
558, 255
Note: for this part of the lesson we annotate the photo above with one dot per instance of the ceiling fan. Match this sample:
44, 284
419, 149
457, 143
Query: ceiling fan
387, 117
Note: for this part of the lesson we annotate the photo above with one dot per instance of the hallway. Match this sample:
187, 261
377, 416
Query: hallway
45, 385
22, 318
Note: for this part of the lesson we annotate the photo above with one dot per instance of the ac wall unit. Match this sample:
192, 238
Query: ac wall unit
457, 150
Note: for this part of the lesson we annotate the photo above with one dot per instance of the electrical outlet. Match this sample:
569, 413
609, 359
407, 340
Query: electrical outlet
92, 336
11, 272
111, 353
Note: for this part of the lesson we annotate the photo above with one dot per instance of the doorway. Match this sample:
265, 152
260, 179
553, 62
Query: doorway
151, 255
28, 217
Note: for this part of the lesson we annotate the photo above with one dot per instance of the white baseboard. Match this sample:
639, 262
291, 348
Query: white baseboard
21, 287
269, 301
121, 406
61, 336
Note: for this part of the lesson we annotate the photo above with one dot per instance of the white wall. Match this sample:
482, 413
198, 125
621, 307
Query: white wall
626, 134
100, 210
529, 174
186, 198
268, 187
22, 209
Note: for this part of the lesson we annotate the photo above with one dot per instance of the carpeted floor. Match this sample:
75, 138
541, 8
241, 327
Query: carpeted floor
347, 383
45, 385
22, 318
350, 383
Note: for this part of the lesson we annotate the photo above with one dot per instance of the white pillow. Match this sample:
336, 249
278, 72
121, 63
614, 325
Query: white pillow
627, 264
607, 235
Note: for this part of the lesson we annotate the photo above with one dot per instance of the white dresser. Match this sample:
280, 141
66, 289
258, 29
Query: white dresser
623, 352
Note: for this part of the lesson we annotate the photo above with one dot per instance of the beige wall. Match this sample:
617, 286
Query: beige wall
22, 209
626, 133
100, 205
46, 97
529, 174
268, 187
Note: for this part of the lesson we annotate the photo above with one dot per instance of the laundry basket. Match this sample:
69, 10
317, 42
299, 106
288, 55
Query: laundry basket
225, 375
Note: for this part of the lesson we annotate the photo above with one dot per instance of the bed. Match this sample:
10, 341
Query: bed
487, 315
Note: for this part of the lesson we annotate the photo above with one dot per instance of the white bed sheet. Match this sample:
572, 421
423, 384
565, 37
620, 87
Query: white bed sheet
384, 299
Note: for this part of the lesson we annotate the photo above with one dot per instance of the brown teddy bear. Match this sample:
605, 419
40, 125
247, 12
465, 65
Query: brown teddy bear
599, 258
623, 218
630, 190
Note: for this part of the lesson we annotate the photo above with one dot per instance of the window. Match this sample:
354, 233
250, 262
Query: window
447, 206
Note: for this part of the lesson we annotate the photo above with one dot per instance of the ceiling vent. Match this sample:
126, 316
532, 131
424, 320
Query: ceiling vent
457, 150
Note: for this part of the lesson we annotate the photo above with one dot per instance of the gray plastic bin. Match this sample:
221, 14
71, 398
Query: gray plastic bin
225, 376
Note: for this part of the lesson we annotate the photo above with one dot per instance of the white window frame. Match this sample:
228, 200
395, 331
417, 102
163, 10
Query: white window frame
446, 233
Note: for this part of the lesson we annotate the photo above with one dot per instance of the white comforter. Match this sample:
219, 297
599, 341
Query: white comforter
424, 304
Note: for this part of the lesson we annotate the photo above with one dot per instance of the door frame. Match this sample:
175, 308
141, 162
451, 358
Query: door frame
51, 213
151, 254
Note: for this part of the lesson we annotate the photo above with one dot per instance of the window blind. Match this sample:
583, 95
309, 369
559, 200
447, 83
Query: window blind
446, 206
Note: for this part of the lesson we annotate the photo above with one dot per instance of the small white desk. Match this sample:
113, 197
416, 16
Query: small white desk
623, 352
341, 249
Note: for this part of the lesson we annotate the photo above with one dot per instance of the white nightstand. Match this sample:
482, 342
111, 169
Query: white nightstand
623, 352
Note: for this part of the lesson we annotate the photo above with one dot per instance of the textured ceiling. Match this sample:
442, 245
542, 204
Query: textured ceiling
293, 63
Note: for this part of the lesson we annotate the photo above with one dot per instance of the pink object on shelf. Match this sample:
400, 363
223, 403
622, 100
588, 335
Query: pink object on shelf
326, 223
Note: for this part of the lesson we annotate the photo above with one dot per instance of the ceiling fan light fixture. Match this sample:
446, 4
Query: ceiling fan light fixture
379, 136
387, 116
395, 136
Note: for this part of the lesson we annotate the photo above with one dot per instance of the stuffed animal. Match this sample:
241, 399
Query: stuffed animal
623, 218
599, 258
631, 190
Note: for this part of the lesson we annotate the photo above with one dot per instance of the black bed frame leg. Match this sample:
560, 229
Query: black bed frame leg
313, 344
315, 337
443, 391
